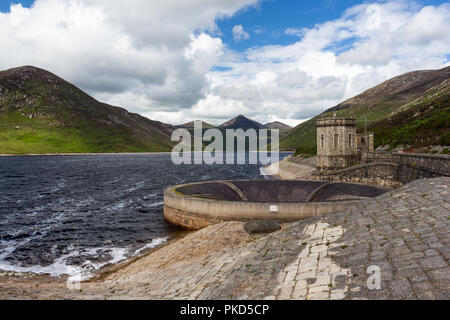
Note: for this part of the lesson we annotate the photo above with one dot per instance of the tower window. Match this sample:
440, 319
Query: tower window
350, 142
336, 140
321, 141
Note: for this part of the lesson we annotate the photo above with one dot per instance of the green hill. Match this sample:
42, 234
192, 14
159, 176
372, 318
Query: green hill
411, 109
42, 113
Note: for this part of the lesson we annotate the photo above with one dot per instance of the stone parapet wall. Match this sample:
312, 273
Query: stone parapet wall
433, 163
369, 157
438, 164
377, 174
390, 169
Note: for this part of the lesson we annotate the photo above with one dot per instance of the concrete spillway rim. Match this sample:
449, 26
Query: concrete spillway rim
193, 212
173, 190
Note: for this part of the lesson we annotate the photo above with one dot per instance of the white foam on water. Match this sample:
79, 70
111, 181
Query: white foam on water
155, 242
56, 269
156, 204
263, 173
120, 205
137, 186
117, 180
60, 266
88, 267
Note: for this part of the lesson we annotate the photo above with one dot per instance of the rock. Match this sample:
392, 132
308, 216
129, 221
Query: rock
261, 226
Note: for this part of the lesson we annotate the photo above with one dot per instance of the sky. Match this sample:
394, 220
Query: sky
177, 61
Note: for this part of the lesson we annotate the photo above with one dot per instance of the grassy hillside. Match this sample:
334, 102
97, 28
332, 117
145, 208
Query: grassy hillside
41, 113
399, 98
424, 122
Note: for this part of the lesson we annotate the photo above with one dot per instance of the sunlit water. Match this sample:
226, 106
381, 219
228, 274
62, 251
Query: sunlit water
60, 212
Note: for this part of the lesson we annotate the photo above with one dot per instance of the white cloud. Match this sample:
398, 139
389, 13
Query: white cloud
156, 57
259, 30
239, 33
333, 61
147, 55
293, 32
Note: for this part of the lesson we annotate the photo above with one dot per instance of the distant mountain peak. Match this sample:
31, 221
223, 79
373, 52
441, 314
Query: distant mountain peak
277, 125
242, 122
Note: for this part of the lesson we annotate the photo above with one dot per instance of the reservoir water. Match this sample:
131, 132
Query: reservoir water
63, 212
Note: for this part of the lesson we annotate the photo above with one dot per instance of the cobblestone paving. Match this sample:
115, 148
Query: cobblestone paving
405, 233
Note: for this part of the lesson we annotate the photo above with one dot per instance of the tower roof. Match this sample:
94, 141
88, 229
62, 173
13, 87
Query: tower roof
332, 122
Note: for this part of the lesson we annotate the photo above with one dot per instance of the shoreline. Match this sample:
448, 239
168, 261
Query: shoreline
109, 269
27, 285
36, 279
79, 154
97, 154
299, 262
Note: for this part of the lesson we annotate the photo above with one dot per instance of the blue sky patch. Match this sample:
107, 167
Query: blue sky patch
6, 4
267, 23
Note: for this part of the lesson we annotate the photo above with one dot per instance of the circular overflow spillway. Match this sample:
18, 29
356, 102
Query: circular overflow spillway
197, 205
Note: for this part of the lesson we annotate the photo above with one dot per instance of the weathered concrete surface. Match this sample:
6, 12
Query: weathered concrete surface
406, 233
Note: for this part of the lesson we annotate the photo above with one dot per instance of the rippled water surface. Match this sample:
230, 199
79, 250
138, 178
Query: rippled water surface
87, 211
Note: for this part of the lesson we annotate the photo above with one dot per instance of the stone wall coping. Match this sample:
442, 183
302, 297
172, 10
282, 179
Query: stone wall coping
373, 164
353, 168
416, 155
334, 119
331, 122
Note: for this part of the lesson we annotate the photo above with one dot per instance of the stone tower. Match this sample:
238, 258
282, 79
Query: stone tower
337, 145
365, 142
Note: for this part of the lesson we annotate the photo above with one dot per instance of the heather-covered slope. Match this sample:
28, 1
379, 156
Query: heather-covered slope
411, 109
42, 113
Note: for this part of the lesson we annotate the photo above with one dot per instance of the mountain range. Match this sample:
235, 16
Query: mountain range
42, 113
240, 122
